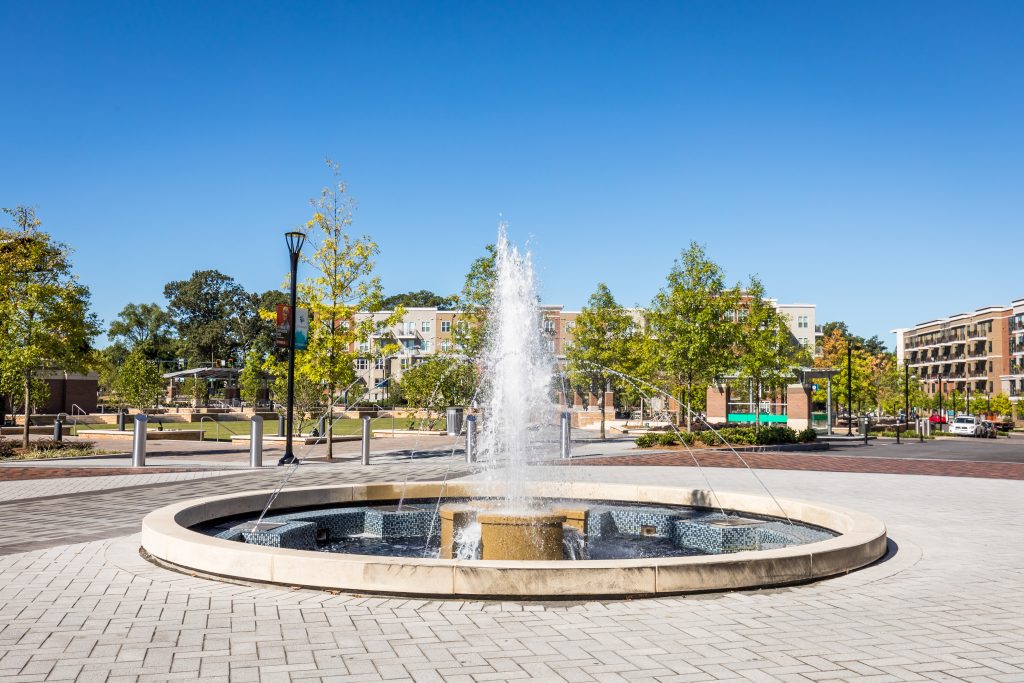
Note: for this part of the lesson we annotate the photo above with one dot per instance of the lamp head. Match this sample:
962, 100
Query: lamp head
294, 239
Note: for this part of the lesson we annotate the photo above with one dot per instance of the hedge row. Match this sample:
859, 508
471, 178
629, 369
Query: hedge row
769, 435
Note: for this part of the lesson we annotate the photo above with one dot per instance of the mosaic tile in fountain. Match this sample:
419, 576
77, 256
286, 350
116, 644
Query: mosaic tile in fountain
392, 523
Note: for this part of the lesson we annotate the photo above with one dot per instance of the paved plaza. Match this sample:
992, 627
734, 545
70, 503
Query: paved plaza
78, 602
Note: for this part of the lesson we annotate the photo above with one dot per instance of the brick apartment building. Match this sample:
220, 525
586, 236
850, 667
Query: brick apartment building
425, 331
961, 352
1013, 381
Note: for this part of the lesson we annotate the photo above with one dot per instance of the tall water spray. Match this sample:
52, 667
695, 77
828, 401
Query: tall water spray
519, 412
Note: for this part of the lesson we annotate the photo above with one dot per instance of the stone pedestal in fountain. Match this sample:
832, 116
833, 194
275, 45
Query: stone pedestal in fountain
454, 518
521, 536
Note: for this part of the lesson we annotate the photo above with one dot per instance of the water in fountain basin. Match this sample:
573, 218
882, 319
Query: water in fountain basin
519, 413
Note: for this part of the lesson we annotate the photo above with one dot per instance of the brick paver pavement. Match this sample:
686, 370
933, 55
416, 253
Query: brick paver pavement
809, 461
946, 606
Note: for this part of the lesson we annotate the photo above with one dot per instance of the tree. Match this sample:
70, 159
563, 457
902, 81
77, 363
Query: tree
601, 344
147, 328
436, 383
138, 382
833, 355
1001, 405
44, 310
342, 285
692, 320
470, 325
196, 389
423, 298
765, 346
257, 321
253, 378
207, 310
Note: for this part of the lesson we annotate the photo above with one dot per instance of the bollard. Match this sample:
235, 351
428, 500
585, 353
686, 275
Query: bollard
898, 432
566, 437
867, 429
320, 428
139, 441
58, 430
256, 441
120, 420
454, 421
920, 431
471, 438
366, 440
280, 425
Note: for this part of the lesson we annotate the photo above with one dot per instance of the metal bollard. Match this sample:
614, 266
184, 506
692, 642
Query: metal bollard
120, 420
320, 428
565, 442
58, 430
920, 431
471, 438
366, 440
867, 429
898, 425
139, 441
256, 441
280, 425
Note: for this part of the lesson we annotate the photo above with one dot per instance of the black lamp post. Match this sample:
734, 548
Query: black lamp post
294, 240
849, 388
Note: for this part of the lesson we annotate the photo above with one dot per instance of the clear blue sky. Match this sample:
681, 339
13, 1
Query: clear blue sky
848, 154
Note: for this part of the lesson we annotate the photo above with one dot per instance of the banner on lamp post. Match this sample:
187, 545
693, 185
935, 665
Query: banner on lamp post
301, 327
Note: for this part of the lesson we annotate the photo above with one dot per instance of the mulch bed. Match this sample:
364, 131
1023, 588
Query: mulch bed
818, 463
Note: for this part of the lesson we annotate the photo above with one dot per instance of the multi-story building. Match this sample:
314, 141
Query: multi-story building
425, 331
1012, 383
961, 352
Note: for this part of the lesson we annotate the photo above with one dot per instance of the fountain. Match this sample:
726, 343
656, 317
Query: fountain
504, 534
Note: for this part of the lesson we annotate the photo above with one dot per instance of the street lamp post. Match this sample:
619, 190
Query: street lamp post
942, 415
294, 241
849, 389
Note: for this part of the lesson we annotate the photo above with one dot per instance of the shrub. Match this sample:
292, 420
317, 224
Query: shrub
807, 435
738, 436
6, 448
646, 440
667, 439
53, 445
772, 435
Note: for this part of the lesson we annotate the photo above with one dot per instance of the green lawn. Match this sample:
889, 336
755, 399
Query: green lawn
228, 428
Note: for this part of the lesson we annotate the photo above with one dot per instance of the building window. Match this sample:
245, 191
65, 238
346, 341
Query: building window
742, 314
569, 326
362, 364
990, 347
446, 345
404, 363
364, 346
446, 325
551, 345
549, 325
990, 366
425, 326
410, 326
378, 363
426, 345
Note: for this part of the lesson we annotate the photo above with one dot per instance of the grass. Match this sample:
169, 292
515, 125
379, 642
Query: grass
229, 428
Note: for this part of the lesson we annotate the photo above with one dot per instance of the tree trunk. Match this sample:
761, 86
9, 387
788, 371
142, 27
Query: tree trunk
686, 407
24, 429
330, 424
601, 408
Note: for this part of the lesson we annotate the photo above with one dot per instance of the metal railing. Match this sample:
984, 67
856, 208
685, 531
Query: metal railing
207, 417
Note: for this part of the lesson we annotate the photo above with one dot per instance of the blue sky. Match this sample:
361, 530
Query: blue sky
866, 157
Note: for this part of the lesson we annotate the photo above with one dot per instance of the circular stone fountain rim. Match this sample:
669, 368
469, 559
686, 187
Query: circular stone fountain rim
167, 537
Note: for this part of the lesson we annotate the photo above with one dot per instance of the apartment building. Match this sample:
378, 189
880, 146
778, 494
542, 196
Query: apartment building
1012, 383
961, 352
425, 331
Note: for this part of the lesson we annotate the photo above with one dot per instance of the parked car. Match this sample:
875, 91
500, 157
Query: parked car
989, 429
966, 425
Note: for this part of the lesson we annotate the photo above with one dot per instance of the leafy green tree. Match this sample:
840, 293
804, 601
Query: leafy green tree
208, 309
765, 346
423, 298
44, 309
197, 389
1001, 405
602, 343
257, 321
470, 325
342, 284
138, 382
692, 320
436, 383
253, 378
147, 328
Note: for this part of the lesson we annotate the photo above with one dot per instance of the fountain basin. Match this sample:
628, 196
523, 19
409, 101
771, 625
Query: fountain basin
168, 539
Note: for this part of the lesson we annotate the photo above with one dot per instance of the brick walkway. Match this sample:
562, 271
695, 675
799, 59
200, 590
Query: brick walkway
812, 462
15, 473
946, 606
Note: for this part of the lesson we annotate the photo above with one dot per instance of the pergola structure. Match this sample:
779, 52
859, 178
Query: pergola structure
227, 375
